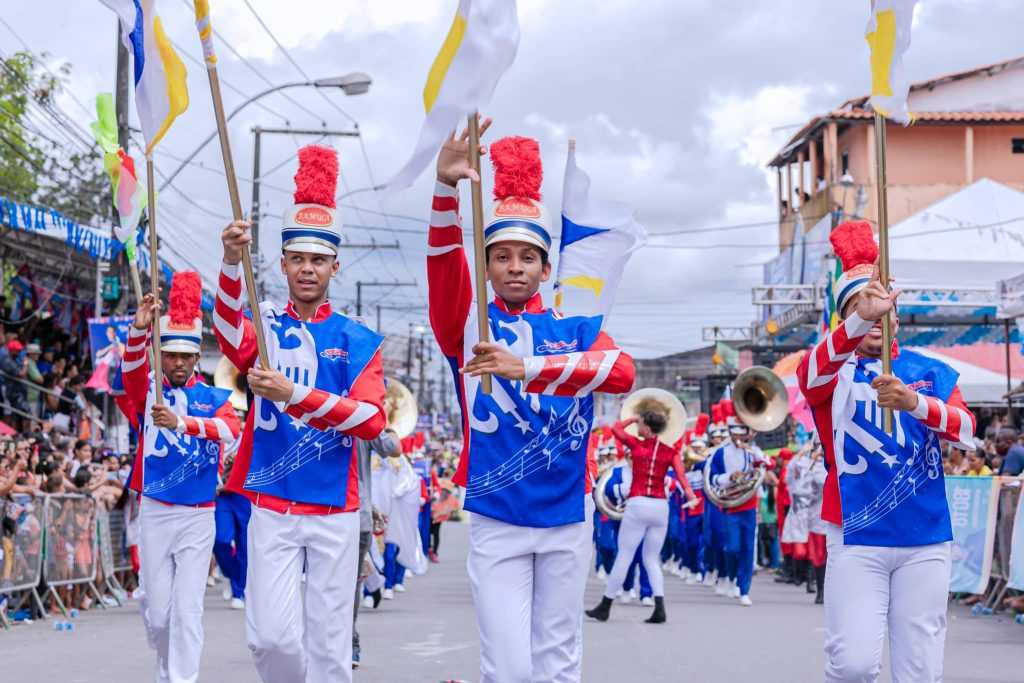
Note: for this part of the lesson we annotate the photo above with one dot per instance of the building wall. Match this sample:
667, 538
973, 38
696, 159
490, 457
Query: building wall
1001, 92
992, 154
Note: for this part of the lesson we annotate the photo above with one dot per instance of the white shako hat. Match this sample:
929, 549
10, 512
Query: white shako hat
517, 214
181, 330
311, 225
854, 244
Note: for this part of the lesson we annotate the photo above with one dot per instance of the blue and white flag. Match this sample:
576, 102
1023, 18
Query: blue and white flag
598, 237
972, 513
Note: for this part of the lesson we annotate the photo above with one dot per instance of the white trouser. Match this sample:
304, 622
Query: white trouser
176, 543
528, 588
646, 520
296, 640
870, 588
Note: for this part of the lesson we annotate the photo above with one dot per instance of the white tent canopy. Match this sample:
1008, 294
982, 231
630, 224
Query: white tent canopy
973, 237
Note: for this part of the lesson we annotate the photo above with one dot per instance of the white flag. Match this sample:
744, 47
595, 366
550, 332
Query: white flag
888, 36
598, 237
481, 45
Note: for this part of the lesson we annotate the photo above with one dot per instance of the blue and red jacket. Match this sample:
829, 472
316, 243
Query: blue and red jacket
299, 456
883, 489
175, 466
524, 456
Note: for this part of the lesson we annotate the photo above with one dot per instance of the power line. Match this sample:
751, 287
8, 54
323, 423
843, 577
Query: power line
29, 49
294, 63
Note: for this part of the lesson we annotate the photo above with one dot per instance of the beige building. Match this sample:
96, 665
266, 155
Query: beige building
970, 125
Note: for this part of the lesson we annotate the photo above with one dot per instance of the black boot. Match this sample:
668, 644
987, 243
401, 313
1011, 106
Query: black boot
376, 597
602, 611
799, 572
658, 615
786, 575
819, 573
811, 576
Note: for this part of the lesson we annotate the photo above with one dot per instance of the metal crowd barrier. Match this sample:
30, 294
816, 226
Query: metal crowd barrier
70, 547
22, 540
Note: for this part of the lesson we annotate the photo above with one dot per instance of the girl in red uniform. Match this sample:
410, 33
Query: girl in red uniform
646, 517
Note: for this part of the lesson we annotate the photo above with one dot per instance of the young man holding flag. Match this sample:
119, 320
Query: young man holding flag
524, 463
297, 461
889, 529
176, 474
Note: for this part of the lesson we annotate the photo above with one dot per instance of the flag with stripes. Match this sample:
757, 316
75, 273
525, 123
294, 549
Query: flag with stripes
481, 45
161, 92
888, 36
598, 237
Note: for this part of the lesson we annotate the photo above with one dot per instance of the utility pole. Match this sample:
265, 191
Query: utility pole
255, 214
422, 383
121, 93
359, 293
408, 358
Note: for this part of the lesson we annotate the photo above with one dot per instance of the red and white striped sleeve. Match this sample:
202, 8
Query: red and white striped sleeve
360, 414
236, 335
223, 426
952, 419
135, 367
818, 369
602, 368
449, 284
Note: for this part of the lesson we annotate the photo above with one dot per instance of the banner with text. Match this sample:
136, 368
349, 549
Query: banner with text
972, 511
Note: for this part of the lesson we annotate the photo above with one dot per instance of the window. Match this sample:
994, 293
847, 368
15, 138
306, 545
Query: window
1017, 145
846, 163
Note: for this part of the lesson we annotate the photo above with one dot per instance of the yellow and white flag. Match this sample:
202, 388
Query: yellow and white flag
481, 45
161, 93
888, 36
598, 237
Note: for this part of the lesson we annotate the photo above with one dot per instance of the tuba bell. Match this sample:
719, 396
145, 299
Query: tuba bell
226, 376
400, 408
760, 399
609, 497
659, 401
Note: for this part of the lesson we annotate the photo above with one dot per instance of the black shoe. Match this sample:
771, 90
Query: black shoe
658, 615
376, 595
819, 574
811, 577
786, 575
602, 611
799, 572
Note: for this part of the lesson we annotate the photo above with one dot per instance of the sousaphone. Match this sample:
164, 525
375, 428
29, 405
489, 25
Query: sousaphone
635, 405
400, 408
226, 376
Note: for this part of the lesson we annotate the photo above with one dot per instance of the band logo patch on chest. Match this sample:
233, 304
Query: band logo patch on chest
921, 385
335, 354
558, 346
200, 407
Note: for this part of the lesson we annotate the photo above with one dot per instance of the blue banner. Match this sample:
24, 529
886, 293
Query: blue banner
972, 512
1016, 578
107, 337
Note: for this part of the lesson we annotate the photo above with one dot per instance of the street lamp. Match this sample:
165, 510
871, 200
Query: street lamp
355, 83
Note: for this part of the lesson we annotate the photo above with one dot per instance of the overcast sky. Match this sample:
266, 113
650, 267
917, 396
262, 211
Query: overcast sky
676, 105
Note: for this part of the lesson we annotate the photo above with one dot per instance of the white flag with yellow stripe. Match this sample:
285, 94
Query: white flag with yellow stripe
481, 45
598, 237
888, 36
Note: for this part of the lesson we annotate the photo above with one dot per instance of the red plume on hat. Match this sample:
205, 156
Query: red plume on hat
185, 298
517, 168
701, 426
854, 244
716, 414
316, 181
728, 410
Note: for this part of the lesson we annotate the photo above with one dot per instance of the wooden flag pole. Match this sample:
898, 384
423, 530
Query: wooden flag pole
483, 319
154, 282
883, 252
236, 211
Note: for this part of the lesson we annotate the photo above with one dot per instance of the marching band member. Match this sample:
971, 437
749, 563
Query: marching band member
694, 521
523, 462
798, 478
229, 547
884, 498
730, 463
783, 501
646, 518
817, 546
296, 462
176, 474
713, 532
